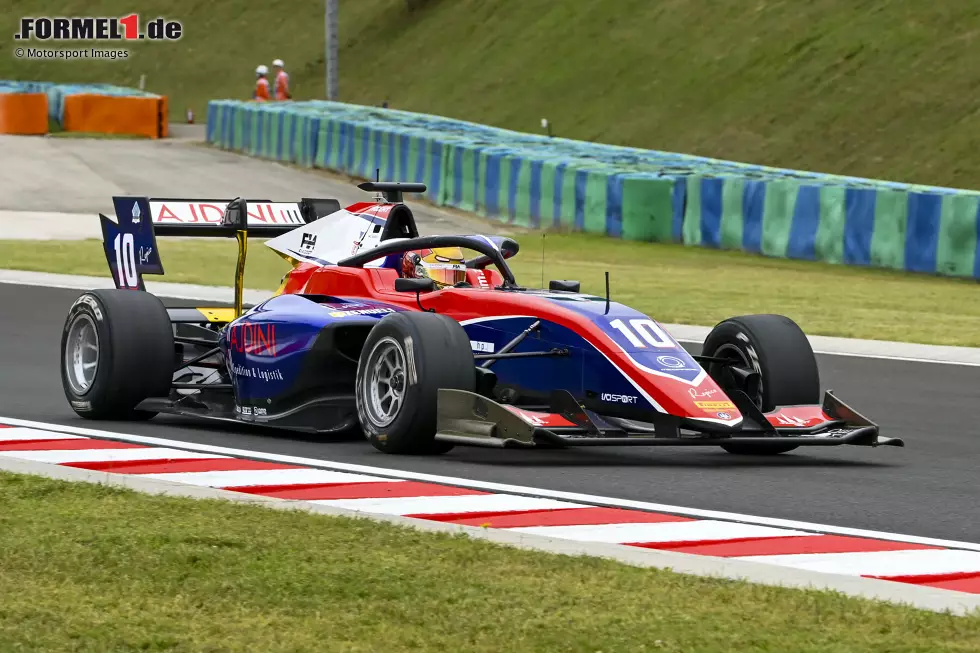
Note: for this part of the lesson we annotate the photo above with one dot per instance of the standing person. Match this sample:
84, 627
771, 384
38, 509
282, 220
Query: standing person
282, 81
261, 92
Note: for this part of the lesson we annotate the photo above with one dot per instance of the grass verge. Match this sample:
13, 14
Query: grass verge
672, 283
92, 568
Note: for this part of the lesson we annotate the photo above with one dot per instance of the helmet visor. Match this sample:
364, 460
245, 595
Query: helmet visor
446, 275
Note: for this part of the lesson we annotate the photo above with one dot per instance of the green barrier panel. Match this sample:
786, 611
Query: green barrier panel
271, 134
287, 152
334, 145
302, 141
829, 241
468, 200
235, 136
216, 128
777, 216
957, 246
891, 223
647, 209
567, 211
253, 132
272, 122
594, 211
359, 143
691, 229
522, 198
415, 159
732, 221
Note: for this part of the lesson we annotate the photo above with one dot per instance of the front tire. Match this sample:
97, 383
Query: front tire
406, 359
775, 348
117, 349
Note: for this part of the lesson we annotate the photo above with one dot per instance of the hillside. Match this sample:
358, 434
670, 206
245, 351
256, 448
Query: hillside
876, 88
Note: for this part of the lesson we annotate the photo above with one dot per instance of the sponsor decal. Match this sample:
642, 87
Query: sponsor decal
259, 213
245, 410
91, 302
256, 373
715, 405
136, 213
144, 255
695, 393
251, 338
836, 433
362, 311
81, 405
619, 399
308, 244
530, 417
483, 347
787, 420
412, 372
261, 412
540, 419
724, 415
481, 279
672, 362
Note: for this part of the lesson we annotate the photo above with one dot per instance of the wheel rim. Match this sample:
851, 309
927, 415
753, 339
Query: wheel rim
384, 388
82, 354
743, 364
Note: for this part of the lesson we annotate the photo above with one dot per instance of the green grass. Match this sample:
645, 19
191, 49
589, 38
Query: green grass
879, 88
91, 568
672, 283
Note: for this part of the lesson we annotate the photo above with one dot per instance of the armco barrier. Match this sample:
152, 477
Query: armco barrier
99, 108
535, 181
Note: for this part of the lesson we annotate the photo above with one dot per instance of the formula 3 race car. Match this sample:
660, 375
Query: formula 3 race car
421, 346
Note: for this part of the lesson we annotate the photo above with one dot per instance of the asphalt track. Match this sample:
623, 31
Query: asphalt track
928, 489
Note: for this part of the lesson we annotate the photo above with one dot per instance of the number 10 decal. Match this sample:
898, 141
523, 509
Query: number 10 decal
648, 330
126, 261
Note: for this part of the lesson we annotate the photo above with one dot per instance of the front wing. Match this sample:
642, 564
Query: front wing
469, 418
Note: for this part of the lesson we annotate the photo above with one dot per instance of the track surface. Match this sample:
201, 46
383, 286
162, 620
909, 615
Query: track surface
929, 488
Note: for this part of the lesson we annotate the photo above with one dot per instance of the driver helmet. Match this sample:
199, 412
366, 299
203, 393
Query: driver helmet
444, 265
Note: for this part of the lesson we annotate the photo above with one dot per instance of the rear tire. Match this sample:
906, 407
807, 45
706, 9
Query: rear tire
776, 348
117, 349
406, 359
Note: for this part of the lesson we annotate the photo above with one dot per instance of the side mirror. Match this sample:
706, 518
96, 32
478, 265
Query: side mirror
414, 285
236, 214
564, 285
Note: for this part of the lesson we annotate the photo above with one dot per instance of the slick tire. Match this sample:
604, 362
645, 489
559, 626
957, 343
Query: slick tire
117, 349
406, 359
776, 348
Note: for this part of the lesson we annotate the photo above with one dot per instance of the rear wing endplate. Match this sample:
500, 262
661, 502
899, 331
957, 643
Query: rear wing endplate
130, 241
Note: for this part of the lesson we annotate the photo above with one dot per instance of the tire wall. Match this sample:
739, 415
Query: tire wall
531, 180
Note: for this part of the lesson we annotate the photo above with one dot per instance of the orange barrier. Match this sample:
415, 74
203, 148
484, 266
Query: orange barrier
23, 113
111, 114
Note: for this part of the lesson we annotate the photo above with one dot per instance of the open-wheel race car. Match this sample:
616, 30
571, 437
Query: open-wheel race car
426, 342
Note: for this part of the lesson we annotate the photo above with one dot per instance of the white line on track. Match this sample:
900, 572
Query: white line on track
499, 487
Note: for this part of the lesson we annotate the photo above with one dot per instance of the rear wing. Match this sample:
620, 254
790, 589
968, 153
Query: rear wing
130, 242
